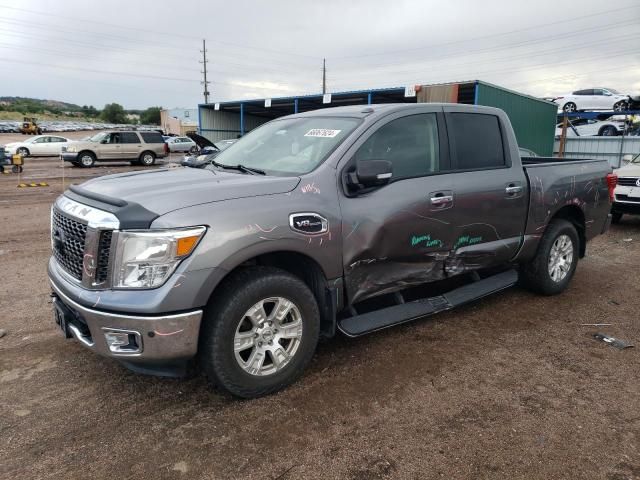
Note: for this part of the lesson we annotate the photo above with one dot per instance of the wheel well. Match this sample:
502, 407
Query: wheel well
307, 270
147, 151
574, 214
86, 151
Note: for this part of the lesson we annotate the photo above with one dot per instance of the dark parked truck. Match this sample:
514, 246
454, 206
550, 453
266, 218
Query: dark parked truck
349, 219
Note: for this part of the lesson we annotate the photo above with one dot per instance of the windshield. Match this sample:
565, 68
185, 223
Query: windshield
291, 146
98, 137
636, 159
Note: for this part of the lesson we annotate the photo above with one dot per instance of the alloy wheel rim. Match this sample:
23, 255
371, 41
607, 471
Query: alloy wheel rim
268, 336
560, 258
87, 160
147, 159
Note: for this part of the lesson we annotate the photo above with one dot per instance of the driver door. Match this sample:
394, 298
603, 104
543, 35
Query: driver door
398, 234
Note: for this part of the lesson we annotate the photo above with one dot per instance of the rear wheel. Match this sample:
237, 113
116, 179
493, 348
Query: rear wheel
86, 159
16, 168
260, 333
147, 159
569, 107
620, 106
551, 270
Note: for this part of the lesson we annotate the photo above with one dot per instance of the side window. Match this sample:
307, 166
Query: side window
476, 141
41, 140
409, 143
112, 138
598, 91
129, 137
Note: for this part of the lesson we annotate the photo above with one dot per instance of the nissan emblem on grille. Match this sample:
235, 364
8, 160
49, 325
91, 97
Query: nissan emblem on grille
638, 182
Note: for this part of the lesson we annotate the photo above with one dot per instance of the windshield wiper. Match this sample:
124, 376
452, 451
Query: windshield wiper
241, 168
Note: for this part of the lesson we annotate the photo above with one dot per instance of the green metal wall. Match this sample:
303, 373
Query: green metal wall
533, 120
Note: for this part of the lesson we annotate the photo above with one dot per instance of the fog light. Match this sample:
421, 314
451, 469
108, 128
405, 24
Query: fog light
123, 341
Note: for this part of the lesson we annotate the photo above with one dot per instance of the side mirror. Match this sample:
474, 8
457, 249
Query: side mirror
371, 173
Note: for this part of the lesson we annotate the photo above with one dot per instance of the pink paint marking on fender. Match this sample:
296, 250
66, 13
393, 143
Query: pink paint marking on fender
168, 334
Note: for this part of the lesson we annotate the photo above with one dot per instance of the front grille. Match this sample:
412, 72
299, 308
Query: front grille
627, 198
72, 236
627, 181
104, 250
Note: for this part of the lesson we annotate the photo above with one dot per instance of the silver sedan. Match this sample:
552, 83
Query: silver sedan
181, 144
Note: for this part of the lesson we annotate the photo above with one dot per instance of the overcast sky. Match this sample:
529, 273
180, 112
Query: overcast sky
144, 52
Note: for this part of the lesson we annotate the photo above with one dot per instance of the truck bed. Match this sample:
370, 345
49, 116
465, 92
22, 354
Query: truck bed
573, 185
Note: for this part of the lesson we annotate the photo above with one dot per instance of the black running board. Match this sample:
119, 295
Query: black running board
406, 312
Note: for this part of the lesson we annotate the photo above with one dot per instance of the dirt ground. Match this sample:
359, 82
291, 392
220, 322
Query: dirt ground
511, 387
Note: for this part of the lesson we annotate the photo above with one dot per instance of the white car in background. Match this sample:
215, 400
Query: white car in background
582, 127
593, 99
181, 144
40, 145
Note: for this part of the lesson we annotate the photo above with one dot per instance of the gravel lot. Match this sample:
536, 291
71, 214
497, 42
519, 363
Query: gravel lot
511, 387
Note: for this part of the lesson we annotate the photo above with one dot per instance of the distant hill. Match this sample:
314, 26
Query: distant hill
38, 105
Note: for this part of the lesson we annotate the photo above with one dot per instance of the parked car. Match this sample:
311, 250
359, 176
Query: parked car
343, 219
140, 148
627, 192
181, 144
582, 127
593, 99
38, 146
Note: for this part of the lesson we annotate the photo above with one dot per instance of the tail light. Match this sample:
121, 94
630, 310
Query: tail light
166, 147
612, 182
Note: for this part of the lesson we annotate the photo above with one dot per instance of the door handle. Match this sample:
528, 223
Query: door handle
441, 200
513, 189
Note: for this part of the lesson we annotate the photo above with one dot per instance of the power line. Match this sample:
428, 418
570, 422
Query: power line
494, 35
154, 32
573, 47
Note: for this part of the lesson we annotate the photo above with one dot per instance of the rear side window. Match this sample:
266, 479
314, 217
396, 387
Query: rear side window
152, 137
129, 137
409, 143
476, 141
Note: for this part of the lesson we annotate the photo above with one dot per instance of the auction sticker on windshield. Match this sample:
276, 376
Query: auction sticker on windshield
322, 132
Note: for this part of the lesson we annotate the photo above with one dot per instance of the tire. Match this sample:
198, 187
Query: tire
86, 159
226, 318
16, 168
147, 159
22, 151
616, 217
608, 131
569, 107
620, 106
536, 275
194, 149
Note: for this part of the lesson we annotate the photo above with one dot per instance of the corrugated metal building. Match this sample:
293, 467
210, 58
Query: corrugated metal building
533, 119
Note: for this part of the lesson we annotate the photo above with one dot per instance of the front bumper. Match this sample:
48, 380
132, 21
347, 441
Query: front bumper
159, 338
69, 156
632, 208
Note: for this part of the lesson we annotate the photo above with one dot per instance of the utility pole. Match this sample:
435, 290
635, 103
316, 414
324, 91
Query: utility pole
204, 72
324, 76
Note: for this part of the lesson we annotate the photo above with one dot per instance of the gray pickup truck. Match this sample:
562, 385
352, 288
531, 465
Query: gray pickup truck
349, 219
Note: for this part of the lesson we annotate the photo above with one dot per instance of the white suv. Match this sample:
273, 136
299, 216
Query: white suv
593, 99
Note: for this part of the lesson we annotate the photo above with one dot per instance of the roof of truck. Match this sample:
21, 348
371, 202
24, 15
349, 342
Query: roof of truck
362, 111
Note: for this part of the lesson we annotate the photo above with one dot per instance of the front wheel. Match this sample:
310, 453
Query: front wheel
23, 152
551, 270
86, 159
608, 131
260, 332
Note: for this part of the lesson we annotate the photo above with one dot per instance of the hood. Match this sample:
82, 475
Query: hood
630, 170
200, 140
162, 191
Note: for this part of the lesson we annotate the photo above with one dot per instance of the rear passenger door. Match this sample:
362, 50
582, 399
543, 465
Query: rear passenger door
399, 234
490, 194
131, 145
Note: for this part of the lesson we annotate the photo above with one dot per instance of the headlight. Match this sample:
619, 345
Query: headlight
70, 149
147, 259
